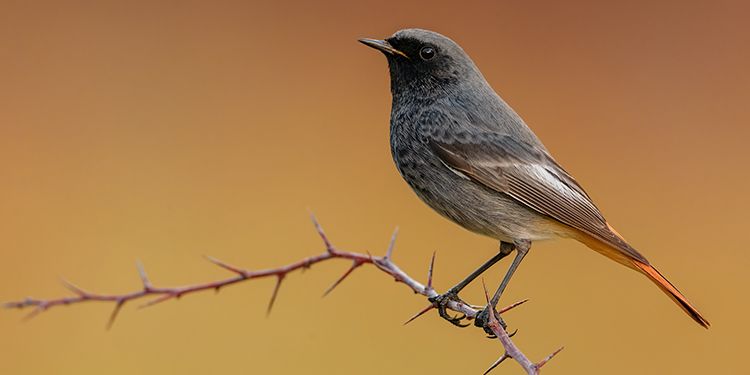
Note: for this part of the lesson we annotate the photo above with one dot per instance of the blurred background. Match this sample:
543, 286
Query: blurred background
163, 131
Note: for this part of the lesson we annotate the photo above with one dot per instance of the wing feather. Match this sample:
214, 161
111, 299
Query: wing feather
531, 177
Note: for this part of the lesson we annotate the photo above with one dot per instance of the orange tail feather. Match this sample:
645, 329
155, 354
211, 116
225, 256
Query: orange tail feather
672, 292
612, 252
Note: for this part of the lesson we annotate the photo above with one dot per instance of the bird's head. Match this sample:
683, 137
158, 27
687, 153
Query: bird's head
425, 62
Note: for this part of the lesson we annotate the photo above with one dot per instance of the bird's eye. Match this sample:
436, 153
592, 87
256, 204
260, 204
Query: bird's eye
427, 53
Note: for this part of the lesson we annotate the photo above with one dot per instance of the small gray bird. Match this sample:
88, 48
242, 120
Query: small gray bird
471, 158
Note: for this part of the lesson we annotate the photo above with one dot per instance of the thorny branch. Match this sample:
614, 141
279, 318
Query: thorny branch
384, 263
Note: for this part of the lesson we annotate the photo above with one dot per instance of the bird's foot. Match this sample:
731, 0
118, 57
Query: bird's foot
441, 302
483, 318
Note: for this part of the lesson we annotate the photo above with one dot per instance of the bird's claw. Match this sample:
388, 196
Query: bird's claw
493, 336
482, 319
441, 303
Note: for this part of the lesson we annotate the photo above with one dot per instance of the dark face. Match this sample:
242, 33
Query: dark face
424, 62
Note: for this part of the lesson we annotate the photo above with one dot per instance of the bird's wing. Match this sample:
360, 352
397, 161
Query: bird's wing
531, 177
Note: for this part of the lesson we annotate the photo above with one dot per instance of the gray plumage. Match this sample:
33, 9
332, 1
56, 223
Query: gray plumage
471, 158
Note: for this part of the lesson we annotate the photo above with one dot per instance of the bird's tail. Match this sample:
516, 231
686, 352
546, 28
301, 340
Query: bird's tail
641, 265
654, 275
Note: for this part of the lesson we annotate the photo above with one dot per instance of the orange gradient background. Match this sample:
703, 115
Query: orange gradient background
163, 131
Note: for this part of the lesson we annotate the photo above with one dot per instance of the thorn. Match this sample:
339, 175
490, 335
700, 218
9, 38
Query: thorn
73, 288
549, 357
355, 264
275, 293
321, 233
429, 272
486, 293
511, 307
492, 320
142, 273
36, 311
158, 300
114, 313
226, 266
392, 244
497, 363
420, 313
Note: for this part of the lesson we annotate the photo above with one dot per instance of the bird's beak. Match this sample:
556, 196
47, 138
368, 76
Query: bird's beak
383, 46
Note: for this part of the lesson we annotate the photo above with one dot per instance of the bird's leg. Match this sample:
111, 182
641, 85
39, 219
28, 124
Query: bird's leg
452, 294
522, 248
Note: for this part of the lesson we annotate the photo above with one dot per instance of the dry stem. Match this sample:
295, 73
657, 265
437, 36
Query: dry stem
384, 263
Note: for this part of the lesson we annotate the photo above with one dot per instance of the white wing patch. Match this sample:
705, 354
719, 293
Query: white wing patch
552, 181
457, 172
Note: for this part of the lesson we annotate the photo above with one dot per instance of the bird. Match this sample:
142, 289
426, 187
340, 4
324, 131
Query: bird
470, 157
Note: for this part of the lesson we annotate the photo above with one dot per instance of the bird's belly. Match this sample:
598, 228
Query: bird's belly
474, 206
